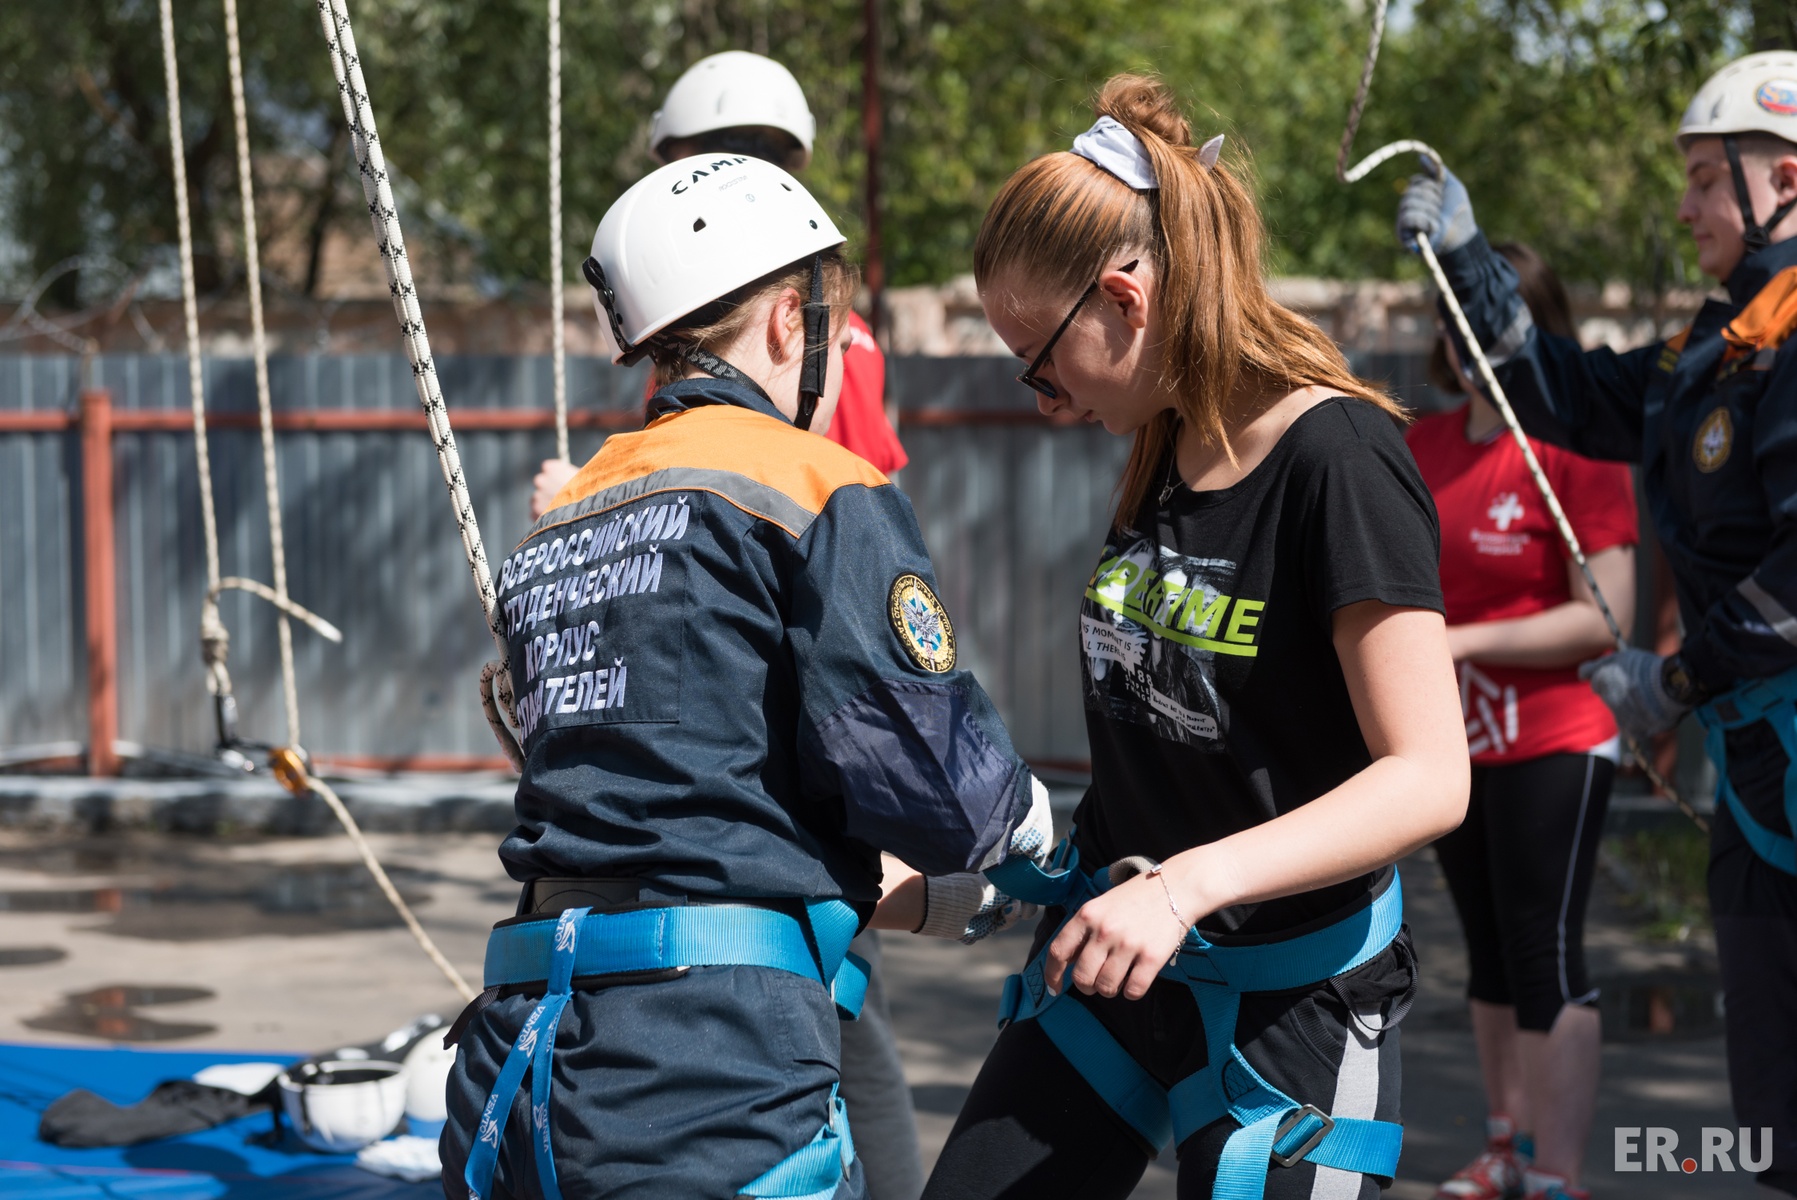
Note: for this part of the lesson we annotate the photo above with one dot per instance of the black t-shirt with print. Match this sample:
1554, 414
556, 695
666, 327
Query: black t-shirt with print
1214, 697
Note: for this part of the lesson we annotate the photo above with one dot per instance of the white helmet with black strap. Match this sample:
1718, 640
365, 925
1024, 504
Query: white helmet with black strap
670, 253
1755, 94
733, 90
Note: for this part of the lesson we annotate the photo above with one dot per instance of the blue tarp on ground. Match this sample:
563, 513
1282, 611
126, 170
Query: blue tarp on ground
215, 1164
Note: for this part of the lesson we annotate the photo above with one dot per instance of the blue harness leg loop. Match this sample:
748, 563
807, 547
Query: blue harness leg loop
534, 1045
580, 942
815, 1171
1272, 1128
1774, 701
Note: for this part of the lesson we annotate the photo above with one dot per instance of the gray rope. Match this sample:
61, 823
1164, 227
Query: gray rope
1487, 376
189, 305
271, 482
384, 214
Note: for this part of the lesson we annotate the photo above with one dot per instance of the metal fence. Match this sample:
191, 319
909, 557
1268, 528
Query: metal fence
1013, 510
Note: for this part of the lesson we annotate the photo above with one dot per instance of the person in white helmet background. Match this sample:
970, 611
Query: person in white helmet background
1710, 414
735, 687
742, 103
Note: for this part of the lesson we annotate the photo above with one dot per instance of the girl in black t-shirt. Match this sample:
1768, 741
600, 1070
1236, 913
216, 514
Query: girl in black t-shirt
1269, 695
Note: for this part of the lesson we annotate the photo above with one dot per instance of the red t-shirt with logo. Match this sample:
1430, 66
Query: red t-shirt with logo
860, 422
1502, 558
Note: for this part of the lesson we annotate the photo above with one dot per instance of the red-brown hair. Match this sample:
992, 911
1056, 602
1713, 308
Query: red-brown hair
1060, 221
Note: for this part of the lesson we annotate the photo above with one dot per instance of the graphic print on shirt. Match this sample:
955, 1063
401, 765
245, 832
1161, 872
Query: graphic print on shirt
1152, 628
1506, 509
589, 609
1490, 711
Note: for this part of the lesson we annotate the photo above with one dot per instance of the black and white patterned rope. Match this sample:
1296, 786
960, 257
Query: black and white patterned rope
383, 212
1493, 389
557, 299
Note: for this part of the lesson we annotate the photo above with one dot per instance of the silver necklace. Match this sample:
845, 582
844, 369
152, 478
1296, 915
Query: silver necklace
1173, 479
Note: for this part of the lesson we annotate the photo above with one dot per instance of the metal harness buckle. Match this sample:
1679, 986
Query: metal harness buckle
1310, 1143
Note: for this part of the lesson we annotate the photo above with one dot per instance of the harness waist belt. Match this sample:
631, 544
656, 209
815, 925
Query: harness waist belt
580, 942
1773, 701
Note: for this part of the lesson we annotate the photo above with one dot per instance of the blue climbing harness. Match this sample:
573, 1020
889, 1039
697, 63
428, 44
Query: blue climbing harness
1274, 1127
583, 943
1773, 701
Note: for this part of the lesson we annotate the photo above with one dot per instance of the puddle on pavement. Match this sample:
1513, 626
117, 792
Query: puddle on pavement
30, 956
1652, 1009
109, 1013
216, 900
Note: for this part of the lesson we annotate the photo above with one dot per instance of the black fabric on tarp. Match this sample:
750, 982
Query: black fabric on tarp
82, 1119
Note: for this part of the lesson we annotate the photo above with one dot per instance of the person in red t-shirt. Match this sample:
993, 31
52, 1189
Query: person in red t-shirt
1544, 747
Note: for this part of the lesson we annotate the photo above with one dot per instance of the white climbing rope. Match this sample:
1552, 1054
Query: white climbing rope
382, 211
271, 482
1493, 389
558, 336
189, 305
288, 762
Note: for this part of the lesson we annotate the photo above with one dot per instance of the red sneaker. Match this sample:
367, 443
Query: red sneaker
1494, 1175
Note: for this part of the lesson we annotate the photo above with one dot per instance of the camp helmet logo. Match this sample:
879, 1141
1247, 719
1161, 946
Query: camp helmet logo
1778, 97
1715, 438
921, 623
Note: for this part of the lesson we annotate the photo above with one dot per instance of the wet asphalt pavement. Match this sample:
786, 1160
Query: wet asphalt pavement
284, 944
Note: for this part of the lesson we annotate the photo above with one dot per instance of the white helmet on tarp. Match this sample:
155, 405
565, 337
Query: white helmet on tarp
734, 89
1755, 94
342, 1106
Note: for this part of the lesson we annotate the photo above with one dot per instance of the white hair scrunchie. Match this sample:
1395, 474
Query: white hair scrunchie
1112, 148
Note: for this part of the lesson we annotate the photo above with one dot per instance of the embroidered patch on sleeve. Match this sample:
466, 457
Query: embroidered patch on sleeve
922, 624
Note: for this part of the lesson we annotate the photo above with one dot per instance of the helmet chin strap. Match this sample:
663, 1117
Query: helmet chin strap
1755, 235
812, 372
815, 369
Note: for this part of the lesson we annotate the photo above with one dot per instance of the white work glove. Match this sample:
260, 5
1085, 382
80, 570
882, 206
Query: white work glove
1631, 683
1032, 837
967, 908
1436, 209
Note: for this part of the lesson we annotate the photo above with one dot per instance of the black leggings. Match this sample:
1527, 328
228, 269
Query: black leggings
1519, 868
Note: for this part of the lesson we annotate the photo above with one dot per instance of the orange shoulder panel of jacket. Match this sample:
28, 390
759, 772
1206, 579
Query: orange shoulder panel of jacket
803, 466
1769, 318
1676, 343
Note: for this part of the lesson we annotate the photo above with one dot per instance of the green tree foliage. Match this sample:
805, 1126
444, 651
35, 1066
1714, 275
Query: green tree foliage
1557, 113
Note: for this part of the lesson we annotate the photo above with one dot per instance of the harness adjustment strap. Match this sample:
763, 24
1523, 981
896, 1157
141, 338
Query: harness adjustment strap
532, 1048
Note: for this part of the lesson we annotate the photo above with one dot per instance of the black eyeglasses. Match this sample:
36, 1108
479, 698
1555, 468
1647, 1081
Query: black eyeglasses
1028, 378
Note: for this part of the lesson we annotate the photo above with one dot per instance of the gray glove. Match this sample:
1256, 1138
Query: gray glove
1630, 682
1437, 209
967, 908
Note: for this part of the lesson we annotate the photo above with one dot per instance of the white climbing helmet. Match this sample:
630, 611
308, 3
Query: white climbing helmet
692, 232
733, 89
341, 1106
1755, 94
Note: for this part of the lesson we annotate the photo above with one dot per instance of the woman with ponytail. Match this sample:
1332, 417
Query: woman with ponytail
1269, 695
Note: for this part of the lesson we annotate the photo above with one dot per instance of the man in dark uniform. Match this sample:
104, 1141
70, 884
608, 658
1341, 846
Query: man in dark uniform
734, 687
1711, 416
